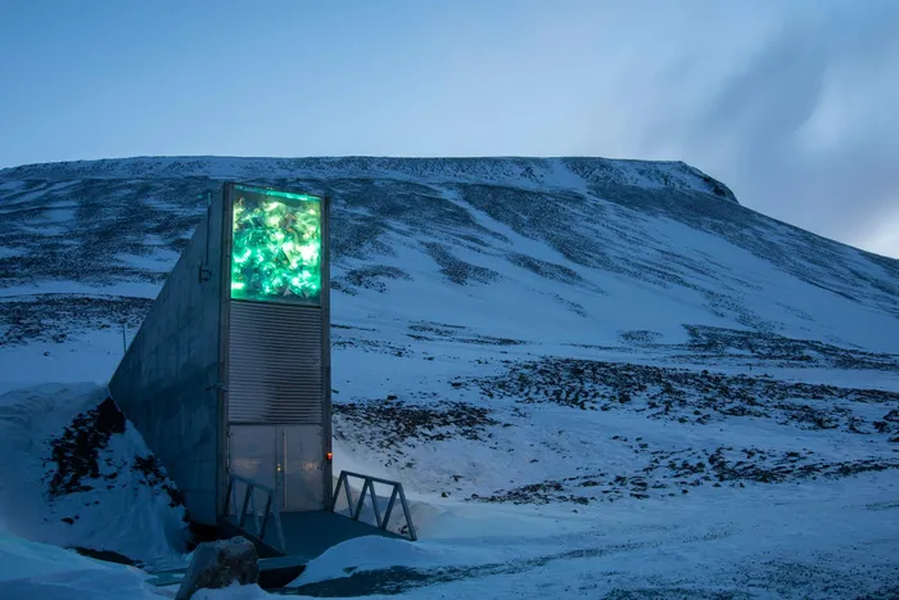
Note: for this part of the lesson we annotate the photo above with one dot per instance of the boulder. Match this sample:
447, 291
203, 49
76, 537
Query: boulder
219, 564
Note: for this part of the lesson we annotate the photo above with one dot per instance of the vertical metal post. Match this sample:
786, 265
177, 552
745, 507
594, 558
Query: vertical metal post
265, 517
390, 504
327, 465
208, 225
246, 503
284, 499
223, 431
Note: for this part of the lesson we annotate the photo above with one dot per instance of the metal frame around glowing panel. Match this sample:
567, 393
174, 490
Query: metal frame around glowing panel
223, 473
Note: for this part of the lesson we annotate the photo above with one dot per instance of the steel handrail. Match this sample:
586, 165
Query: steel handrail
368, 490
249, 501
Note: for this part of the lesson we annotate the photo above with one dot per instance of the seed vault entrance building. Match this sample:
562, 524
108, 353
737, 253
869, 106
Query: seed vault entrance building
229, 375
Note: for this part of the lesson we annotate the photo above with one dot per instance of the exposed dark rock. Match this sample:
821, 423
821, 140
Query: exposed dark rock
107, 555
154, 475
372, 277
397, 425
678, 394
217, 565
456, 270
75, 453
708, 342
690, 468
57, 318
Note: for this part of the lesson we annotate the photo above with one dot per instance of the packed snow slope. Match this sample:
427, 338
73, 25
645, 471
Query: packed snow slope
594, 376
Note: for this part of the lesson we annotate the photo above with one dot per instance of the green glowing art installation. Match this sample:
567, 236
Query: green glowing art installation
276, 247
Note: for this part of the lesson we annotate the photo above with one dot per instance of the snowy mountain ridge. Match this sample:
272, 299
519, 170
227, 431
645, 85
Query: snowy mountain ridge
519, 171
597, 243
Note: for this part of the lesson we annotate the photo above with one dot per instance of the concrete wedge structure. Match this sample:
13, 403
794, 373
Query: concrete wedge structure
229, 374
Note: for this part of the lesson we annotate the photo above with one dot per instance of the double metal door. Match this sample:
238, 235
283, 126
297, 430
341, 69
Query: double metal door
286, 458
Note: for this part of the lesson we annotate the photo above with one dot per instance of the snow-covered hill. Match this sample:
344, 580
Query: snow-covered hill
528, 343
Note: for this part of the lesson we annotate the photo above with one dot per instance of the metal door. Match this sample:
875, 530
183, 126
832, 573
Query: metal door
303, 472
253, 453
286, 458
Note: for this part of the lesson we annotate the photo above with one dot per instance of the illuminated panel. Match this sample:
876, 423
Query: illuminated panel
276, 251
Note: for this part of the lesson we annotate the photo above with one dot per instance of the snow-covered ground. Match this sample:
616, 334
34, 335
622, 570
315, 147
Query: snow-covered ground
35, 571
598, 379
75, 473
833, 539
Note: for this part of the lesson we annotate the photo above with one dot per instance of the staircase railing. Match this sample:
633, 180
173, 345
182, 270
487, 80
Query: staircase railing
270, 512
368, 491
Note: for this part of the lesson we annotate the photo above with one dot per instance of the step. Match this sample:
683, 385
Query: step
273, 573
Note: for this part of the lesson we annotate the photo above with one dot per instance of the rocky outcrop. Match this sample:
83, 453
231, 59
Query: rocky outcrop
219, 564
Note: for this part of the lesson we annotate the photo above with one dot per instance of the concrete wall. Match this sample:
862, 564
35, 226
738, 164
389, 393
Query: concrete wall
169, 382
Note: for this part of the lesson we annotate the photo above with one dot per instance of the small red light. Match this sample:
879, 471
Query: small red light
330, 455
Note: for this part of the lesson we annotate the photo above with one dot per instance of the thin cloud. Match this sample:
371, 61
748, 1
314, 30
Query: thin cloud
805, 130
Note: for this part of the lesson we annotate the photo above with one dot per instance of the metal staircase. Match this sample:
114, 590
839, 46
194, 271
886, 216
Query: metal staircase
253, 510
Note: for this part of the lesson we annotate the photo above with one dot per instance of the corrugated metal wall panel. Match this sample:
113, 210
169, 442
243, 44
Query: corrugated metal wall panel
275, 364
